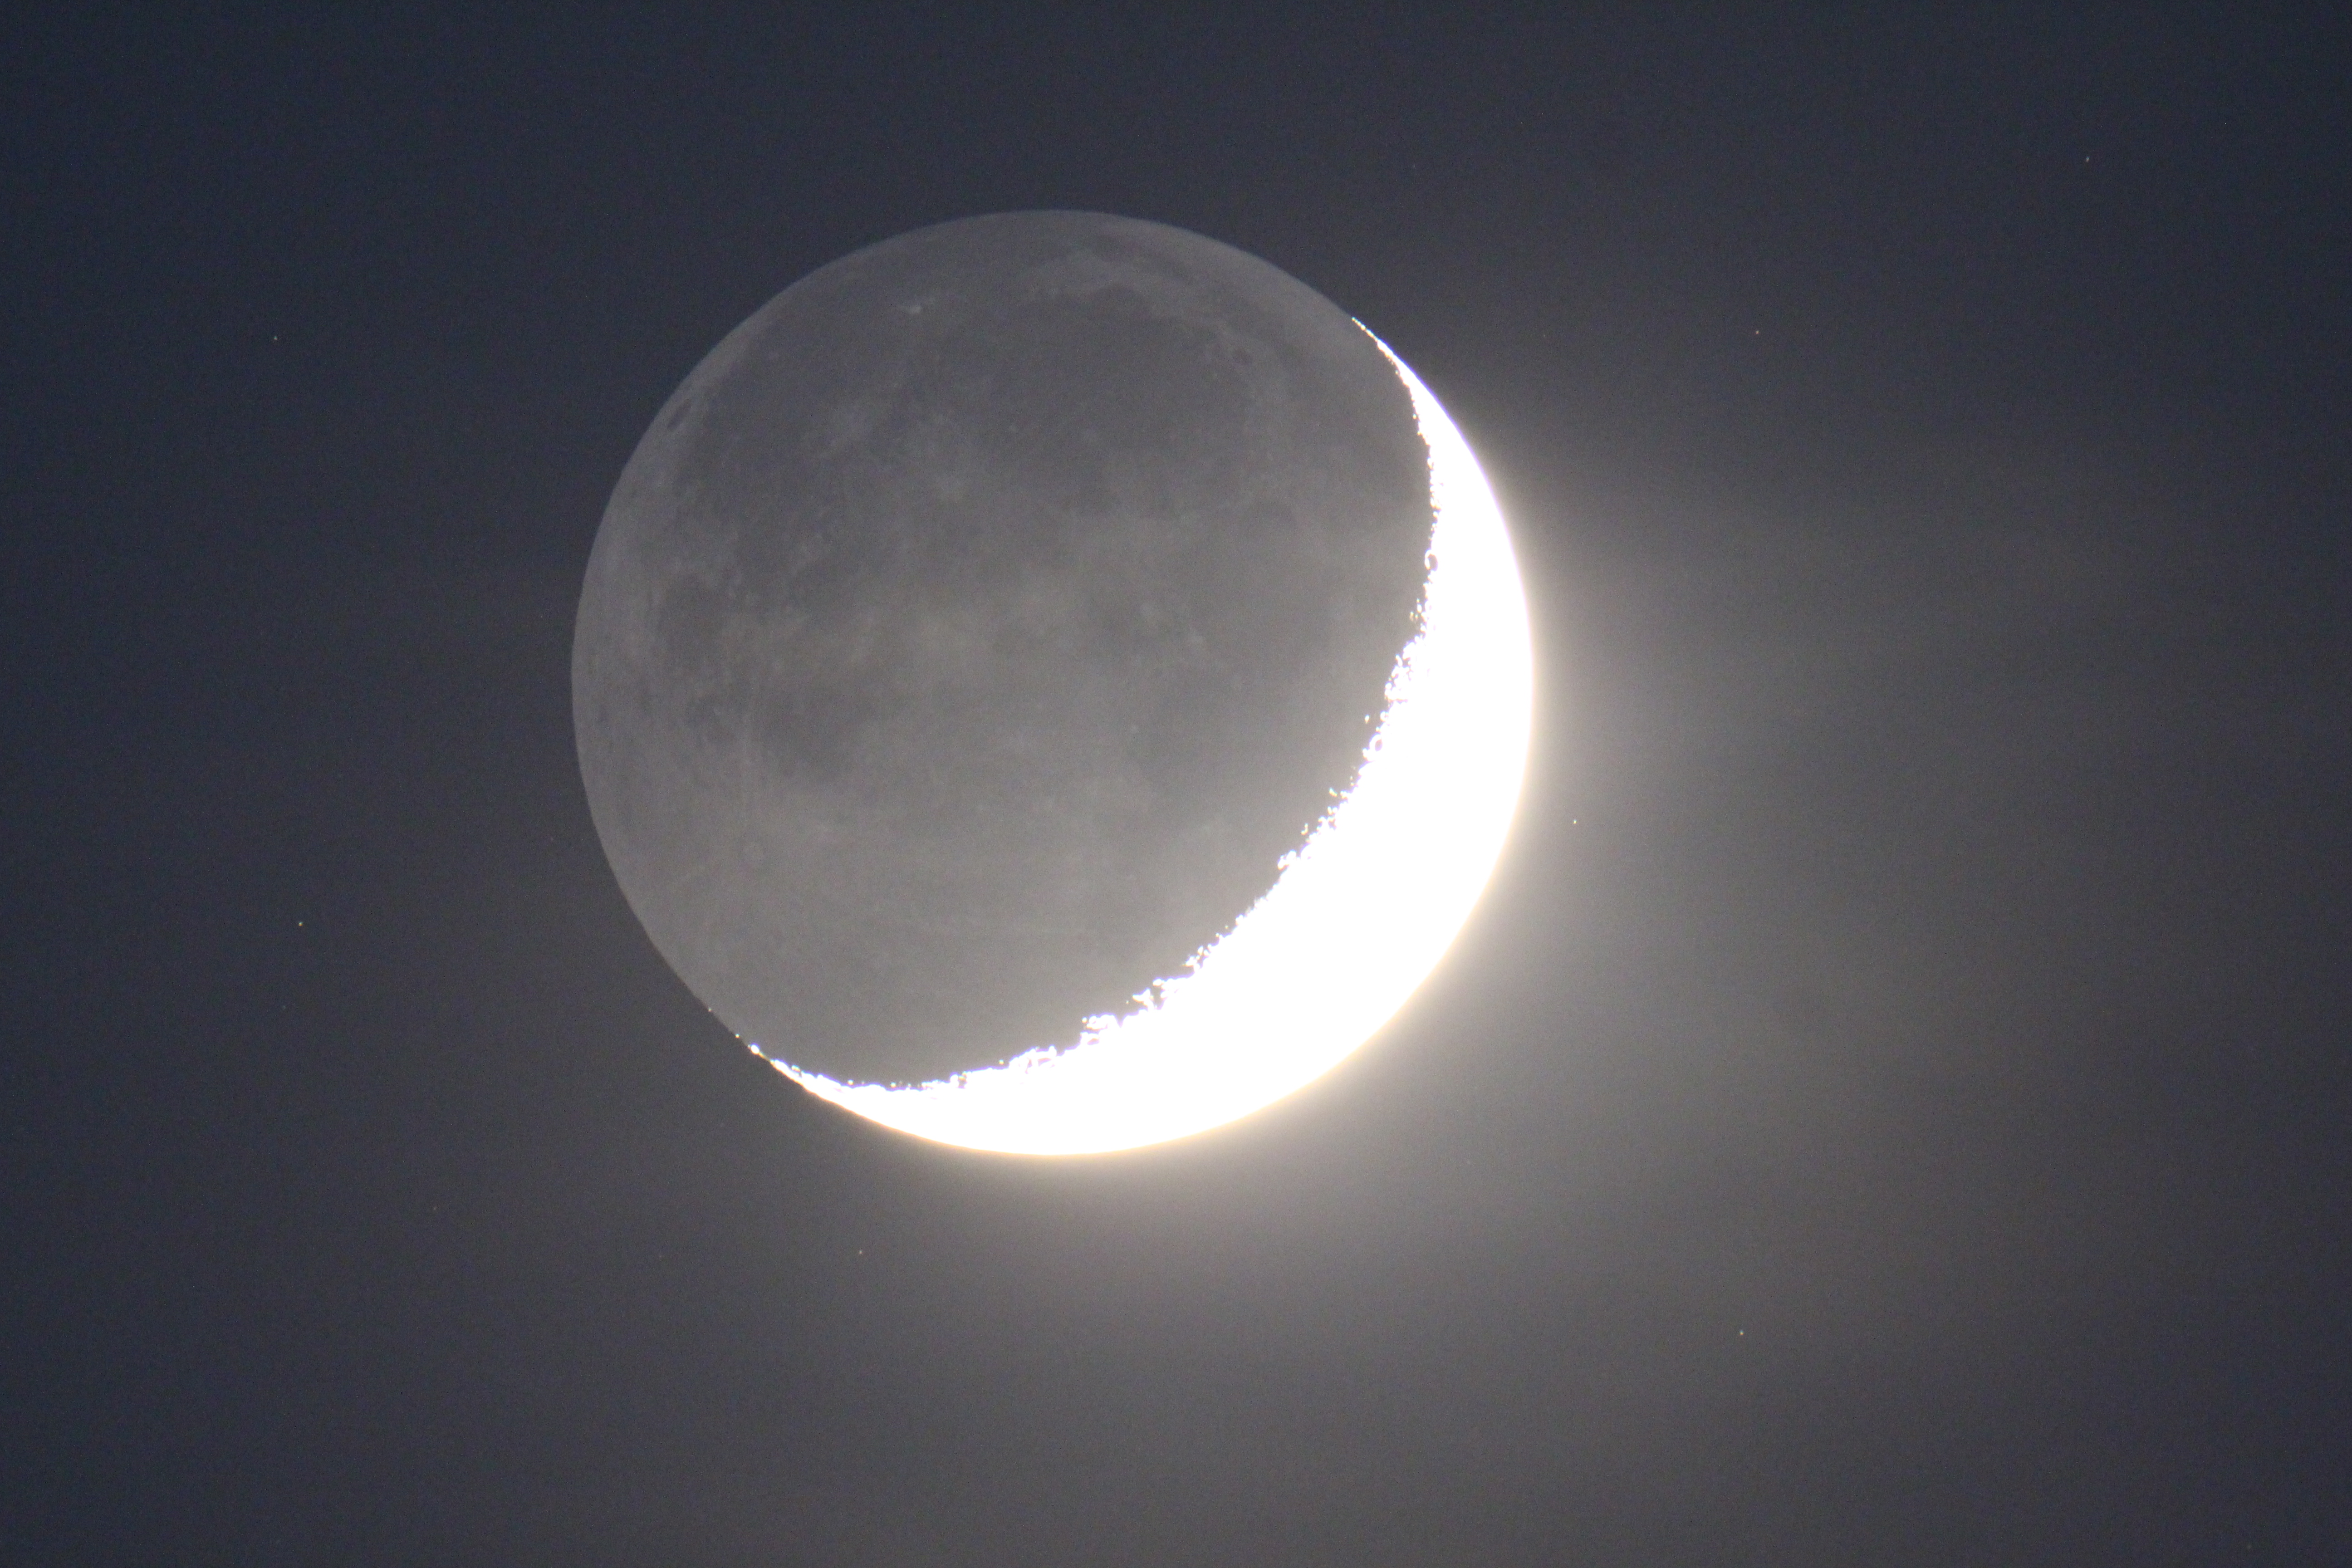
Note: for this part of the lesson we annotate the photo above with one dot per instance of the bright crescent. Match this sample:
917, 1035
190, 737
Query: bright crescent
1361, 914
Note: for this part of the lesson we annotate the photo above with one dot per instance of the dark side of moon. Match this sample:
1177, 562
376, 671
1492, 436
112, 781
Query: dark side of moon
980, 625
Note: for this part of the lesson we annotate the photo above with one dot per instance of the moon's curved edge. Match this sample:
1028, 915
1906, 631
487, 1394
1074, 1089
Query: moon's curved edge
1359, 916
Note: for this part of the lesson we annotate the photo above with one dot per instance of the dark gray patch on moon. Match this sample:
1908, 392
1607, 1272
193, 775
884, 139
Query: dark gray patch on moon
980, 623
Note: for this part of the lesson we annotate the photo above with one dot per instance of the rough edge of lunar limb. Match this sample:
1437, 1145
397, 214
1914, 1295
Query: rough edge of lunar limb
1359, 916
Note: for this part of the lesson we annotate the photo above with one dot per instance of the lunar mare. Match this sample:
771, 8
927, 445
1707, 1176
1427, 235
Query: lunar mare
980, 625
1354, 924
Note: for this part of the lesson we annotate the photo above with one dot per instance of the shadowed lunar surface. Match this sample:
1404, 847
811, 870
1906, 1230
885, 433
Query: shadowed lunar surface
979, 626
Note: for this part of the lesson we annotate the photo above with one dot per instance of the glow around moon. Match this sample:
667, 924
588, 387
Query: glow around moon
1361, 914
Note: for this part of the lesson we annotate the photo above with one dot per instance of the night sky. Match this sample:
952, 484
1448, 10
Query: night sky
1894, 1107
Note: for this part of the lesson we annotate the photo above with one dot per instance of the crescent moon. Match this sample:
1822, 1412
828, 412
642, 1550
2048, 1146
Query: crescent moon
1359, 916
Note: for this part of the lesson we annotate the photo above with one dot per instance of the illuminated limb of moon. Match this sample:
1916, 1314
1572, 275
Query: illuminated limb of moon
1359, 916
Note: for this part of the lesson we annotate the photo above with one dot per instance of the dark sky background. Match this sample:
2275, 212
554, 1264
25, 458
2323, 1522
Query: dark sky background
1892, 1108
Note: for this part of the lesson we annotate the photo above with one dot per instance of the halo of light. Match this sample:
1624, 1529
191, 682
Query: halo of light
1358, 917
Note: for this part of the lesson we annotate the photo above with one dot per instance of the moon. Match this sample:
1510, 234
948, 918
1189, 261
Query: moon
1052, 683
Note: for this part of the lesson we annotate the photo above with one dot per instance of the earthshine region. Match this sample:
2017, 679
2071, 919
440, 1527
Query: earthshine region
1052, 683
